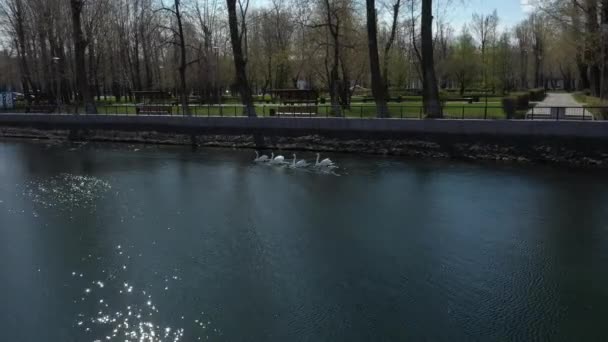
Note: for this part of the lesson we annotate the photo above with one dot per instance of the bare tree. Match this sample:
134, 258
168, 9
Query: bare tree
484, 26
577, 31
80, 45
430, 90
378, 85
334, 26
592, 45
522, 34
207, 15
237, 32
538, 47
181, 41
604, 46
14, 11
396, 7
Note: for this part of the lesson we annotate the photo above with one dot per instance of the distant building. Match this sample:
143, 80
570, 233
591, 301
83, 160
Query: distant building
7, 100
303, 85
9, 73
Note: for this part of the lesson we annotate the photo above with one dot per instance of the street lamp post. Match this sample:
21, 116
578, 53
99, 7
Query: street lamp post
217, 72
161, 80
58, 84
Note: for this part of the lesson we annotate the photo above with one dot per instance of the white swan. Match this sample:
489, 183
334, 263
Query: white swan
277, 159
262, 159
299, 164
324, 163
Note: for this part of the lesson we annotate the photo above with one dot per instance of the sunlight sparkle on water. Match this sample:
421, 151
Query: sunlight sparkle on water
66, 191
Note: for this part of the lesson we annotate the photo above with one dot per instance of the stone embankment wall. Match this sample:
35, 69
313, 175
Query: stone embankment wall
565, 143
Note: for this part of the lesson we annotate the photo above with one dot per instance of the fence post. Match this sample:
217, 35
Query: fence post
462, 112
533, 113
420, 114
583, 113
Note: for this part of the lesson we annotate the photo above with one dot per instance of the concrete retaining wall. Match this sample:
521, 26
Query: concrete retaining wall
240, 125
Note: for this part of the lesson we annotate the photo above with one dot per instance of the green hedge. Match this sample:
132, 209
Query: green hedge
509, 106
537, 94
515, 102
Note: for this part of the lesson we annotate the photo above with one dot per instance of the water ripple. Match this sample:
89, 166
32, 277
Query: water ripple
66, 191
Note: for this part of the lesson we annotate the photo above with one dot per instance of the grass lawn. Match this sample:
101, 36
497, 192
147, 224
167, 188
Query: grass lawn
452, 110
591, 102
357, 110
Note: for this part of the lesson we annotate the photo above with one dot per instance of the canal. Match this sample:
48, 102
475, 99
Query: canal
123, 242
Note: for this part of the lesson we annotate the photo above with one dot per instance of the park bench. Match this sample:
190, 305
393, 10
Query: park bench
153, 110
296, 102
301, 102
468, 100
367, 99
297, 111
38, 108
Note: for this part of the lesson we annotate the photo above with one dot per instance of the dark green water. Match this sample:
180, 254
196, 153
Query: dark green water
120, 242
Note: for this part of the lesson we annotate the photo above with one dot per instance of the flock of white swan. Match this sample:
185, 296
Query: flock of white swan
325, 164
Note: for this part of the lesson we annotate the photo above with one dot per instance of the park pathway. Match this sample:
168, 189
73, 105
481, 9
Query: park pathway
574, 110
559, 100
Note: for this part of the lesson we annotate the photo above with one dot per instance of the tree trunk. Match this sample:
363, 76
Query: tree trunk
182, 64
21, 49
604, 52
582, 72
378, 86
46, 64
593, 46
345, 85
136, 64
333, 25
80, 45
389, 46
240, 64
430, 92
523, 68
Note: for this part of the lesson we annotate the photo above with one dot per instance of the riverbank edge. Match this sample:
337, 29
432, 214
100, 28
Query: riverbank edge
575, 152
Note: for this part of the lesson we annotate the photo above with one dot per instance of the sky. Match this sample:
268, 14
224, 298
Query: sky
459, 12
510, 12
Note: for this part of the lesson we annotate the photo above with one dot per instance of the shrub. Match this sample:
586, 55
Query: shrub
537, 94
522, 100
322, 100
509, 106
515, 102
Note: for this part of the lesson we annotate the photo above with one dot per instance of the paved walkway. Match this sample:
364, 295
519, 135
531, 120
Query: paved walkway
559, 100
574, 110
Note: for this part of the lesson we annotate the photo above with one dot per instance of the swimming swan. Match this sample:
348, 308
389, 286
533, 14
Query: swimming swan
299, 164
324, 163
277, 159
262, 159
